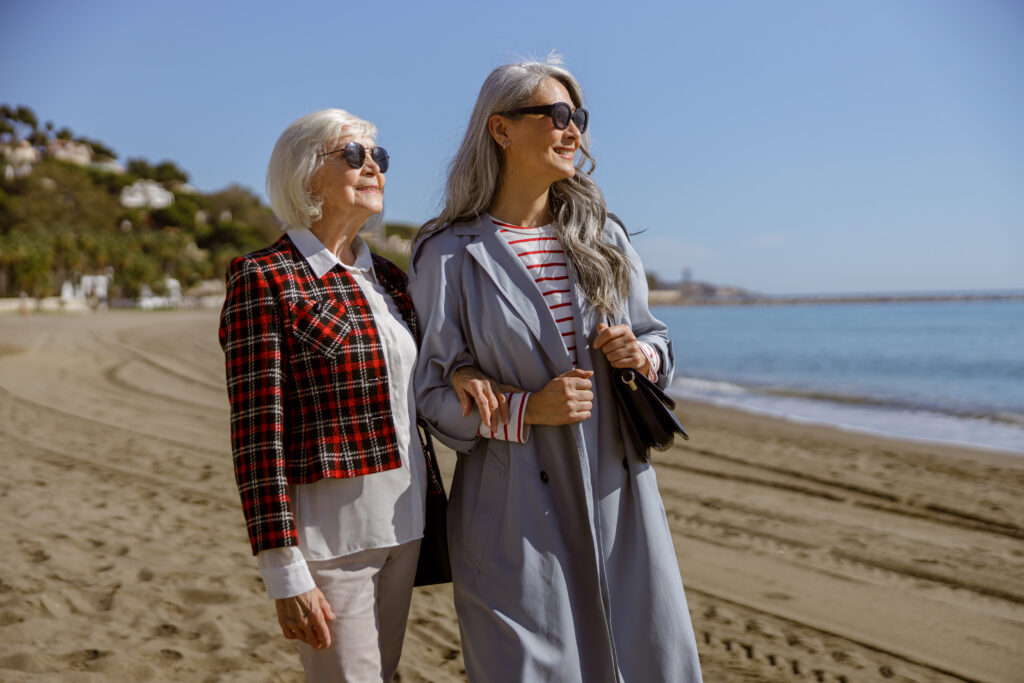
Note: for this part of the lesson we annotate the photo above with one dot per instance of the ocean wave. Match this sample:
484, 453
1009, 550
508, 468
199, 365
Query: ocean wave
1001, 431
684, 386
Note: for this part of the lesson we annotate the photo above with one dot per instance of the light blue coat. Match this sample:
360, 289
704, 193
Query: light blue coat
562, 559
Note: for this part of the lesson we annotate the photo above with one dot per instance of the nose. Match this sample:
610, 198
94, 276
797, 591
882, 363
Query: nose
370, 166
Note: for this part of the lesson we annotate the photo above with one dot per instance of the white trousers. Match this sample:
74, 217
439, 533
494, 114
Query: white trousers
370, 592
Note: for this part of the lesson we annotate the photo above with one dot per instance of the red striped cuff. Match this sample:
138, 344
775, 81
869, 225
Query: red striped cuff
653, 358
516, 430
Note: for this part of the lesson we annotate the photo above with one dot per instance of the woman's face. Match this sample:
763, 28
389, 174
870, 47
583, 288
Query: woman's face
346, 190
535, 146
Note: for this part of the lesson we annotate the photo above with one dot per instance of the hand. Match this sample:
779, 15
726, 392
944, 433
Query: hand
472, 385
564, 400
621, 348
304, 617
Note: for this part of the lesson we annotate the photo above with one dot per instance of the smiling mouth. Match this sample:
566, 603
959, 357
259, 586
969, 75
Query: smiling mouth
565, 152
372, 189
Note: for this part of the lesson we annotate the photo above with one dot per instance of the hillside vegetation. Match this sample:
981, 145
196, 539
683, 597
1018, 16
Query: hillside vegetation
68, 209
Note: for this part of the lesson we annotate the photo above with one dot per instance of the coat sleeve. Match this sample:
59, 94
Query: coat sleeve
646, 327
436, 291
250, 334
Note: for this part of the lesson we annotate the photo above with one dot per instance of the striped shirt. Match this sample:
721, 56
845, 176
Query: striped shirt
542, 254
540, 251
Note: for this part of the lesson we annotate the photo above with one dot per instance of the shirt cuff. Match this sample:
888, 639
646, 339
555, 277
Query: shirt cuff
284, 571
516, 430
653, 358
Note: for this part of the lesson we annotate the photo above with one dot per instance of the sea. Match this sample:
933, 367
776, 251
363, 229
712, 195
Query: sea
941, 371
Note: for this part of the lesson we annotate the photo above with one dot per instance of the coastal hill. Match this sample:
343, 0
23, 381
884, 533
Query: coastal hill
74, 221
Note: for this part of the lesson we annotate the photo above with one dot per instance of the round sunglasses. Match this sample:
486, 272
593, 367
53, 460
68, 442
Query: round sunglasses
560, 112
355, 155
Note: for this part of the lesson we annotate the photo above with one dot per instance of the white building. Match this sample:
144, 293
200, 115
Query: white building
146, 193
70, 151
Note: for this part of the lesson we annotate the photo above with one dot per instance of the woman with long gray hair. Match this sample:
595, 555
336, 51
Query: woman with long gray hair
563, 563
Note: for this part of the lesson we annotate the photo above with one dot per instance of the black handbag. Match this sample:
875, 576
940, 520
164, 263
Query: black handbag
646, 410
434, 565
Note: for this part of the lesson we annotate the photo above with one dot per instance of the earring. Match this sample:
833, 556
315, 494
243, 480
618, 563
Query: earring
504, 143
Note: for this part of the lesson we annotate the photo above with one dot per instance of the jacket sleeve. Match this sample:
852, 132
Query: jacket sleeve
250, 334
436, 291
646, 327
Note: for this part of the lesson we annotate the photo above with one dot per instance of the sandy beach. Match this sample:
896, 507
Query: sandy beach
808, 553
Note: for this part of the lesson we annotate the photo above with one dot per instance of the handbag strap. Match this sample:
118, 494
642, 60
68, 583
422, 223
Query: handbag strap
434, 483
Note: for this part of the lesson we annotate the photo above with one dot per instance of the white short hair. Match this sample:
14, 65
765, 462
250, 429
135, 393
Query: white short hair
295, 160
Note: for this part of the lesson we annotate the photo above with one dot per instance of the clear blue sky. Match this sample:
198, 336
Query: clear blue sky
784, 146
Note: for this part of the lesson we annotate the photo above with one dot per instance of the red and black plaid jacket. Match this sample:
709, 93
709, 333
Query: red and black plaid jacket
307, 381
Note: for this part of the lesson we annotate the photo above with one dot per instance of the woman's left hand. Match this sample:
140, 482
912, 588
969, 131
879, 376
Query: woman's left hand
620, 347
471, 386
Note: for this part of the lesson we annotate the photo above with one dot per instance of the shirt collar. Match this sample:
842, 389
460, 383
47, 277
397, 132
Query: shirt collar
321, 259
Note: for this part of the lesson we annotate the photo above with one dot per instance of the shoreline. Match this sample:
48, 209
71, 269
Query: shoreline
876, 420
808, 553
854, 438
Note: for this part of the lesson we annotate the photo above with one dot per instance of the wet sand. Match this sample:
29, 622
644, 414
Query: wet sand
808, 553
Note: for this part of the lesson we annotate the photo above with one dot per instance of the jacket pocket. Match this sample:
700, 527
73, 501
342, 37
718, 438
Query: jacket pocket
319, 325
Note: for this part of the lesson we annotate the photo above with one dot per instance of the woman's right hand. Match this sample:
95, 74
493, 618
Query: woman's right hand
564, 400
304, 617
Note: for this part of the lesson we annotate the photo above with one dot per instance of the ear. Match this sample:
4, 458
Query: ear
497, 125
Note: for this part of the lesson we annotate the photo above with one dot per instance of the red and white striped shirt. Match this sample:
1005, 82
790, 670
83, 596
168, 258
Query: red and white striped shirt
542, 254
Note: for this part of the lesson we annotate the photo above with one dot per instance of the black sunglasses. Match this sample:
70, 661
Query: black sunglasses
355, 155
560, 112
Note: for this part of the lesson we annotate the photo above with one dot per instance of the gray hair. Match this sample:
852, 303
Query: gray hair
578, 211
295, 160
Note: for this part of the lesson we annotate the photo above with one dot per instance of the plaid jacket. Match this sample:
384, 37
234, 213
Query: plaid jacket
307, 382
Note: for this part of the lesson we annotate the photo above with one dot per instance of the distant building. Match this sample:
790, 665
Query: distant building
108, 165
20, 158
69, 151
146, 193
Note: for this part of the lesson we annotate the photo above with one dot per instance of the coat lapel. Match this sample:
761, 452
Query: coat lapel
515, 284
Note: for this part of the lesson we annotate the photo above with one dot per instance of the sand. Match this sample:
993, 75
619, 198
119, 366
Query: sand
808, 553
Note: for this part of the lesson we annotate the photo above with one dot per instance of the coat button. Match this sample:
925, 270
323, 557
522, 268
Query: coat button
544, 476
316, 307
625, 463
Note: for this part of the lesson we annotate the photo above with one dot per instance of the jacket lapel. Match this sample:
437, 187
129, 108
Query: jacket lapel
515, 284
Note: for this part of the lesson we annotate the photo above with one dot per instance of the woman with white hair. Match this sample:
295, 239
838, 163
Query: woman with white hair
319, 339
562, 559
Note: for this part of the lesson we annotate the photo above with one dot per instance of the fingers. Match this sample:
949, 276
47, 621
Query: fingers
576, 379
578, 416
631, 357
325, 607
606, 334
465, 401
460, 378
304, 617
576, 372
610, 339
309, 635
490, 401
486, 402
321, 633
